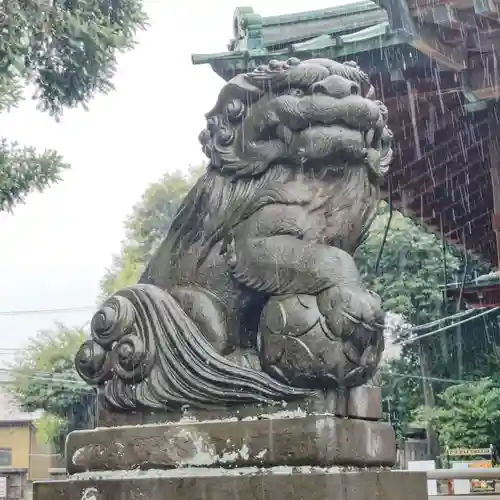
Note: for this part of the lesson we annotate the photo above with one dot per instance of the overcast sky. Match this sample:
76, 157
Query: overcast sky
55, 248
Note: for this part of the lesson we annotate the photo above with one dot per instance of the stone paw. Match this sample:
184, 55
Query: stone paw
347, 310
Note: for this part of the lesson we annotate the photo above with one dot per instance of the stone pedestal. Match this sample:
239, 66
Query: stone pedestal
222, 484
342, 452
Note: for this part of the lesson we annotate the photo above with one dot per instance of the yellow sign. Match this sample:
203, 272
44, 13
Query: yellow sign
469, 451
478, 484
484, 464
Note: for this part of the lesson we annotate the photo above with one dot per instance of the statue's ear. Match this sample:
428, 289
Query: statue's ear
368, 90
385, 159
386, 153
239, 88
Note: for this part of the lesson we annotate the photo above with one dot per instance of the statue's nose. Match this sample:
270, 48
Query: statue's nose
212, 125
336, 86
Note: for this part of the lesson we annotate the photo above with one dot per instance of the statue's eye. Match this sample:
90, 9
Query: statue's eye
234, 109
204, 137
212, 124
293, 61
297, 92
225, 137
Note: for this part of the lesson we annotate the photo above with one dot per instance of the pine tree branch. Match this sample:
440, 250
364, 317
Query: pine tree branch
24, 170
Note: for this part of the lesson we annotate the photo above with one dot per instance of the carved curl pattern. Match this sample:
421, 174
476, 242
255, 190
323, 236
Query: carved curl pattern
146, 352
299, 347
120, 345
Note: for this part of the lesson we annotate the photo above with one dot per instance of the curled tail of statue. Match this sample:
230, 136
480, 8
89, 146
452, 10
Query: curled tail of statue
146, 352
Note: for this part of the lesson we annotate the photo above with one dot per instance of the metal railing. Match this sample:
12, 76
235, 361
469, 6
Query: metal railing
464, 474
467, 496
450, 474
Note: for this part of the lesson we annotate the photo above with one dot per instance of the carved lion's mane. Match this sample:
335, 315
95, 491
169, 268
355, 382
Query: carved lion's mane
248, 151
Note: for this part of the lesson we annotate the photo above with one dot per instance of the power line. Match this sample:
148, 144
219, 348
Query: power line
60, 386
44, 376
442, 329
432, 379
436, 322
65, 310
49, 378
73, 385
453, 325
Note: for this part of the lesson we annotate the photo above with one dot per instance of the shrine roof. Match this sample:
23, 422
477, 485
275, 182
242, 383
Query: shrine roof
434, 64
345, 30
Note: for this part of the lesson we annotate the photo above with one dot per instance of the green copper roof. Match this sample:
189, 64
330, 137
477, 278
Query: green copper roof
362, 31
338, 32
276, 31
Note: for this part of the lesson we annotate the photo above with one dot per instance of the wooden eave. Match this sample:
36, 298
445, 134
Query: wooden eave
476, 293
364, 45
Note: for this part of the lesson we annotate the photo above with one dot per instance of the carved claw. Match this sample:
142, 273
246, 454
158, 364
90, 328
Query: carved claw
355, 316
228, 249
349, 317
346, 310
373, 160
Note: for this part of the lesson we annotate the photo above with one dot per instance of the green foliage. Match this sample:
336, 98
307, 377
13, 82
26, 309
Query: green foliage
125, 270
411, 270
468, 414
409, 281
11, 93
23, 169
67, 50
402, 382
147, 226
52, 429
401, 389
44, 378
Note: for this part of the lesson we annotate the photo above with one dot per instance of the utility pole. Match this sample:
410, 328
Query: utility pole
429, 400
427, 388
493, 149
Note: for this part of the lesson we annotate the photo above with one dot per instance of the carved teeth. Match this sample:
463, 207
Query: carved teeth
326, 329
284, 133
350, 318
368, 327
369, 137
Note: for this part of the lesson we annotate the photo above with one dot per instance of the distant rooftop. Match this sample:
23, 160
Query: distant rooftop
10, 410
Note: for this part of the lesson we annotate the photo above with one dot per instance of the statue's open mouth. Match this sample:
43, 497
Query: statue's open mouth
310, 112
329, 120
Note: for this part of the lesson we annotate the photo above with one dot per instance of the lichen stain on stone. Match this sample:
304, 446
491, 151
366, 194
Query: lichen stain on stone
90, 494
203, 451
88, 455
374, 444
233, 456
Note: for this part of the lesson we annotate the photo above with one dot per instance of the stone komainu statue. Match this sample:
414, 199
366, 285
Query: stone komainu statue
254, 296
